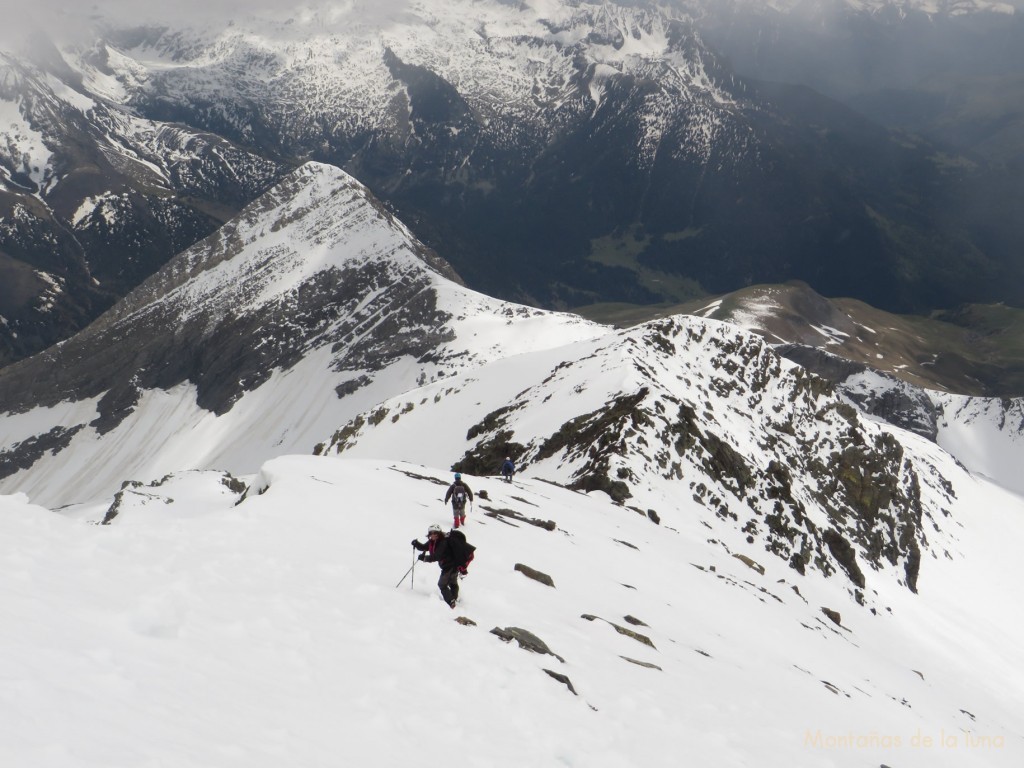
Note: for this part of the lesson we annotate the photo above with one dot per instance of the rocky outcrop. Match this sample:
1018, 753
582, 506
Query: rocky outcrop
763, 445
621, 630
564, 679
536, 575
873, 392
526, 640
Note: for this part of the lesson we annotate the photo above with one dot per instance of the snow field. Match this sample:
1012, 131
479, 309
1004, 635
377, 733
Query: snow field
194, 632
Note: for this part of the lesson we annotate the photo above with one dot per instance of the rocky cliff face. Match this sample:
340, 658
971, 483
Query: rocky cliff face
93, 198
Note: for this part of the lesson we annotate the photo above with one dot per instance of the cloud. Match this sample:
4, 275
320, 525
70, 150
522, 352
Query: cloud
133, 11
63, 20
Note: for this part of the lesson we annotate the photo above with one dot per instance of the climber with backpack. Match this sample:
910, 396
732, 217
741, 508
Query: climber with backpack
508, 469
459, 493
452, 553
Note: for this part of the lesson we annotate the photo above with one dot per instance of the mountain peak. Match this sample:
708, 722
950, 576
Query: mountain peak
315, 274
258, 292
315, 220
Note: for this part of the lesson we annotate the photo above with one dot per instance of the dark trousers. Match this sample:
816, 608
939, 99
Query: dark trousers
449, 584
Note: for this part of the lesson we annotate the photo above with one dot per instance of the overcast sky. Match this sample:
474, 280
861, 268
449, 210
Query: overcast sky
64, 16
49, 10
135, 9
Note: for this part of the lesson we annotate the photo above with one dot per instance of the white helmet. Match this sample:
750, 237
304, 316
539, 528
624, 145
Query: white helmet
435, 528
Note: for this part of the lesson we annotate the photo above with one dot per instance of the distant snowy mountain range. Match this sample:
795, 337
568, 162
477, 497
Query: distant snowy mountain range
94, 198
556, 153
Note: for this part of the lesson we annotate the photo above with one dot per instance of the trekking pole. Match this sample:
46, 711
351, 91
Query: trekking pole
412, 570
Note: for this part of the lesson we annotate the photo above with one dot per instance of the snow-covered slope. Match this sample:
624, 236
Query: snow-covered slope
191, 631
312, 306
985, 434
697, 424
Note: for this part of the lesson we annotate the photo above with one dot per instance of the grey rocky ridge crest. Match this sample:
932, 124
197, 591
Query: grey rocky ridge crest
711, 414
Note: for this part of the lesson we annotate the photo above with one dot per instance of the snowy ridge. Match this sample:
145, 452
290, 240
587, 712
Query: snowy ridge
697, 418
314, 304
880, 371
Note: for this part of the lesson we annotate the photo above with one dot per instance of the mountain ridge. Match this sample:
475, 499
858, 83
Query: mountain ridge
315, 282
710, 516
315, 275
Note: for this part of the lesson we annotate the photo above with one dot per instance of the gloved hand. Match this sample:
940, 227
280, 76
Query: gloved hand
416, 543
463, 572
423, 556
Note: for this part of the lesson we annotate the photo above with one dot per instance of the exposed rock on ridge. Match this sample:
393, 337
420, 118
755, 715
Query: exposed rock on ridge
691, 408
189, 324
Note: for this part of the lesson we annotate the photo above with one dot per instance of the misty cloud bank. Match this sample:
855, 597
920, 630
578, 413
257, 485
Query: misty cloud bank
60, 17
62, 20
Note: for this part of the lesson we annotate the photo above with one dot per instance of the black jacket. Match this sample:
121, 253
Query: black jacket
437, 551
445, 554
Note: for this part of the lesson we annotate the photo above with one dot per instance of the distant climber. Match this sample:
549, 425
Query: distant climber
508, 469
452, 553
459, 493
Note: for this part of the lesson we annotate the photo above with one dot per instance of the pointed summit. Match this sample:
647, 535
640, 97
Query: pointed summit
315, 276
